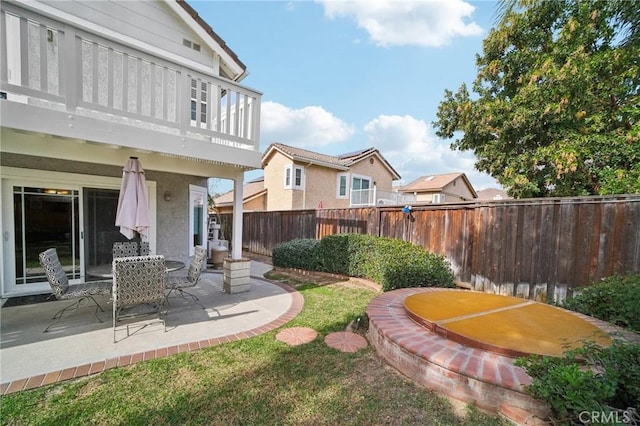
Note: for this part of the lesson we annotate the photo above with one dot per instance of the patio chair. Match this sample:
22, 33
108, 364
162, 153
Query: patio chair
130, 248
178, 283
62, 290
138, 281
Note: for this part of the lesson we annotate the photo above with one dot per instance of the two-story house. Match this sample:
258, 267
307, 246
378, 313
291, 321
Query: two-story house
295, 178
85, 85
444, 188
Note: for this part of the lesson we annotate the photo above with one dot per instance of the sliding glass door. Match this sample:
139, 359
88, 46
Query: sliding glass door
45, 218
100, 232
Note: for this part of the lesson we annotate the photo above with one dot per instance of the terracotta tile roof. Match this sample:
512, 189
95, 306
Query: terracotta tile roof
251, 189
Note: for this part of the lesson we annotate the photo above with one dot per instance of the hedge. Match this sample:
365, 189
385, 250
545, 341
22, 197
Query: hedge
389, 262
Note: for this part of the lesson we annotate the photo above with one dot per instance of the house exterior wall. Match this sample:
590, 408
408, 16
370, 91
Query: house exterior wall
376, 171
79, 74
257, 204
278, 198
321, 187
320, 183
149, 22
426, 197
172, 225
105, 81
457, 191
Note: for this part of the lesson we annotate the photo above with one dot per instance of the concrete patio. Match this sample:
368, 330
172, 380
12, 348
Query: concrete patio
80, 345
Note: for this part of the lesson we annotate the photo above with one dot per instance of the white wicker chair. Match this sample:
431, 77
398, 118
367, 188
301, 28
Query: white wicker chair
138, 280
177, 283
62, 290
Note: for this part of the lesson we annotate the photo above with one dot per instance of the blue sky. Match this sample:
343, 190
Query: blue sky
341, 76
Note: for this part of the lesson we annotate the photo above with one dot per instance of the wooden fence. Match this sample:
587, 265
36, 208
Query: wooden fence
535, 248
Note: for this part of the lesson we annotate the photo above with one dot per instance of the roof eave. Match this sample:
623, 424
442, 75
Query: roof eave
213, 40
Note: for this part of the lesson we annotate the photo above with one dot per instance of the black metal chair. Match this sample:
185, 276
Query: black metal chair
178, 283
138, 280
62, 290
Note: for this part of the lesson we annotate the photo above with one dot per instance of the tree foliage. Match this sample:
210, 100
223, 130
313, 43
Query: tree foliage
555, 107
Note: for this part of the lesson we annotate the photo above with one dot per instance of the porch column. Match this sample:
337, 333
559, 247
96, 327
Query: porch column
236, 228
236, 271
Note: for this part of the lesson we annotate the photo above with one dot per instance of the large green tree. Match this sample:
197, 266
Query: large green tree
555, 107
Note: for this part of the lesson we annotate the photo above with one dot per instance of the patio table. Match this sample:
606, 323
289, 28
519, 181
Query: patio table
105, 271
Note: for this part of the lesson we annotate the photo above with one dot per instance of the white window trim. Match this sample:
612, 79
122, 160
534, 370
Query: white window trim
195, 193
347, 186
291, 169
438, 198
11, 176
361, 177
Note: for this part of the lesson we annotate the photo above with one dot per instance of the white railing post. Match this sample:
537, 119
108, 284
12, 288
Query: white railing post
375, 195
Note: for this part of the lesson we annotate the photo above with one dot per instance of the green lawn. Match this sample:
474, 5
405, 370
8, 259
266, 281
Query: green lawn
252, 382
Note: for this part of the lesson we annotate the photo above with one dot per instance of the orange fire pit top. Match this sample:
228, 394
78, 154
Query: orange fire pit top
506, 325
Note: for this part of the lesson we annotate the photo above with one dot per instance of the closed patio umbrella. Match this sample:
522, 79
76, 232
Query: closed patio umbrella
132, 215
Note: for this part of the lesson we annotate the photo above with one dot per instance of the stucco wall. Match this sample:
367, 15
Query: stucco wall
278, 198
457, 191
321, 187
172, 226
376, 171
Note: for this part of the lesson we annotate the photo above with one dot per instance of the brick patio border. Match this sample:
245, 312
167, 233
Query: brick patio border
297, 303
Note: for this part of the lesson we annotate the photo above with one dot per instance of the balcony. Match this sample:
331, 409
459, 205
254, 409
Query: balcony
87, 88
379, 197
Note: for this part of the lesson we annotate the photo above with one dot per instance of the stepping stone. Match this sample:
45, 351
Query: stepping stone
297, 335
346, 341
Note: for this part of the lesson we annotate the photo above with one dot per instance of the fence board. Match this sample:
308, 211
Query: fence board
560, 241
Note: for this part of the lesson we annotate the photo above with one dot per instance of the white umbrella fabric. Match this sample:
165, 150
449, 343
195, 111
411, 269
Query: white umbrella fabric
132, 215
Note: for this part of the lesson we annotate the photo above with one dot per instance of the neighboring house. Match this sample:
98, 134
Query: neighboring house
86, 85
493, 194
445, 188
255, 198
299, 179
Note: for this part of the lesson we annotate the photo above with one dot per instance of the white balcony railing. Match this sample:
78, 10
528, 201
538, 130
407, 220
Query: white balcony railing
379, 197
66, 69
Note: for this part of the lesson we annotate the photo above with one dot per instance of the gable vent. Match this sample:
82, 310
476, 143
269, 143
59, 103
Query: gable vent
191, 45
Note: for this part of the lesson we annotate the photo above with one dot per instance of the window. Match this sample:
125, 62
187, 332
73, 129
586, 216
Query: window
343, 178
438, 198
293, 177
360, 194
360, 182
197, 217
297, 182
199, 95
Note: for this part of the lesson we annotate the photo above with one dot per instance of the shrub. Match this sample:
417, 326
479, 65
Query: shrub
389, 262
615, 299
590, 378
300, 253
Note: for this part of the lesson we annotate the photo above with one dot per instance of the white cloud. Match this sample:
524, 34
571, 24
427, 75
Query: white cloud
304, 127
413, 151
432, 23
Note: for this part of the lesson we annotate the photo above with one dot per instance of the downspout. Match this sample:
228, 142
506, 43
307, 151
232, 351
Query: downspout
304, 192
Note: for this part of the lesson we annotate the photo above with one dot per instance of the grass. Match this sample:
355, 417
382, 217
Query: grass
257, 381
